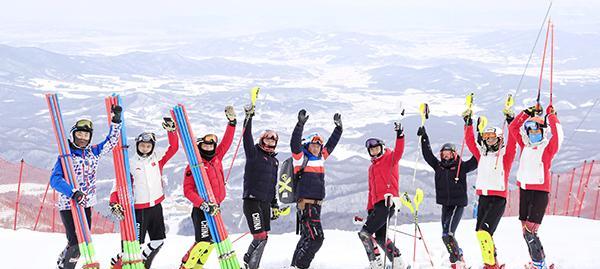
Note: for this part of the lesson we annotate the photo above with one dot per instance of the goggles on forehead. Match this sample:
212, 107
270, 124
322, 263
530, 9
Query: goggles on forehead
209, 139
146, 137
314, 139
84, 124
373, 142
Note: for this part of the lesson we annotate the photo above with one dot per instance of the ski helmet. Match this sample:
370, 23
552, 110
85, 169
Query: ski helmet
313, 138
146, 137
268, 134
448, 147
82, 125
209, 139
372, 143
492, 133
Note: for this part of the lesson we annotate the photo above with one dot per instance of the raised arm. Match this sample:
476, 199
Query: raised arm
171, 149
557, 132
470, 141
426, 149
335, 136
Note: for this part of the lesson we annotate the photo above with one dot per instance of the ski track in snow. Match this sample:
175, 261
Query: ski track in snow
574, 247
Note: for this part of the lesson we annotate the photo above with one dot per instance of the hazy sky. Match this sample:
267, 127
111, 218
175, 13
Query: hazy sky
237, 17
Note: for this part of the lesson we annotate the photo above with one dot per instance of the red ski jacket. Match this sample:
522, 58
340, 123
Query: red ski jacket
383, 174
214, 172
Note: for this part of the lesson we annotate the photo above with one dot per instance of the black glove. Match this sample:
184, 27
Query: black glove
337, 119
116, 113
249, 110
117, 211
302, 117
168, 124
399, 129
79, 197
210, 208
533, 110
421, 132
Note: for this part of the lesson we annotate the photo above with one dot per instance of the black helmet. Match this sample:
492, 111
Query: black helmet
374, 142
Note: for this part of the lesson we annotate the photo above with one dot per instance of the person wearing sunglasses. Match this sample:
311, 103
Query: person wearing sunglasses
310, 189
260, 180
148, 193
450, 190
533, 175
86, 157
383, 179
495, 159
212, 152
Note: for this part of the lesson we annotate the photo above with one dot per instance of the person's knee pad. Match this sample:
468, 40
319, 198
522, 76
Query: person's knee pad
70, 257
452, 247
488, 250
536, 250
367, 241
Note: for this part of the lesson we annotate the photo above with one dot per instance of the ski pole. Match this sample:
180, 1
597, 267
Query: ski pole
542, 68
361, 221
253, 96
469, 103
507, 109
388, 204
424, 111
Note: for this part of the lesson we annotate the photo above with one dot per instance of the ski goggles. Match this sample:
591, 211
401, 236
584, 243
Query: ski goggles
209, 139
373, 142
313, 139
84, 124
489, 135
146, 137
531, 125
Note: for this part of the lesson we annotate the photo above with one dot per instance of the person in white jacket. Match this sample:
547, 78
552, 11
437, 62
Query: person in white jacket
538, 149
146, 175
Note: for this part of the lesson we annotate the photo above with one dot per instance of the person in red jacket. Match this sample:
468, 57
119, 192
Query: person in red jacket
212, 153
494, 160
533, 176
383, 179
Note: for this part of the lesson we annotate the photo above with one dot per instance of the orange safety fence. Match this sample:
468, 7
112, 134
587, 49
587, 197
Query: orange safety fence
28, 202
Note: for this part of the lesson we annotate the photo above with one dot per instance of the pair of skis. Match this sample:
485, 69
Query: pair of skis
227, 257
82, 230
131, 258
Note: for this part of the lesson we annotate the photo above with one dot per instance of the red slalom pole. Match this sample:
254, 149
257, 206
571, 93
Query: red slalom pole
585, 187
570, 193
41, 207
579, 188
18, 194
551, 60
556, 194
543, 62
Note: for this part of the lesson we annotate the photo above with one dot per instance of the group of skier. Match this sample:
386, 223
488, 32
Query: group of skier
492, 157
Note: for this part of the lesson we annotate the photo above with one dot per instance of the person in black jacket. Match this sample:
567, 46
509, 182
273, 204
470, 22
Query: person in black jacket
260, 179
450, 190
310, 188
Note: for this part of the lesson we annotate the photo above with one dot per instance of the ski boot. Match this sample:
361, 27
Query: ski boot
117, 261
196, 256
538, 265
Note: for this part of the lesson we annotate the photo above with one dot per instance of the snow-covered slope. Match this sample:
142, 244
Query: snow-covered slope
568, 242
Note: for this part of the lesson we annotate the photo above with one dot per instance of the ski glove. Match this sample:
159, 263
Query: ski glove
275, 212
249, 109
532, 110
421, 131
116, 113
78, 196
117, 210
230, 114
509, 115
302, 117
467, 117
399, 129
168, 124
337, 119
210, 208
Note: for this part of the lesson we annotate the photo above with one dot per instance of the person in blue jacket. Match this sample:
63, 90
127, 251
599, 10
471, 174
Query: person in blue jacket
309, 155
85, 164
